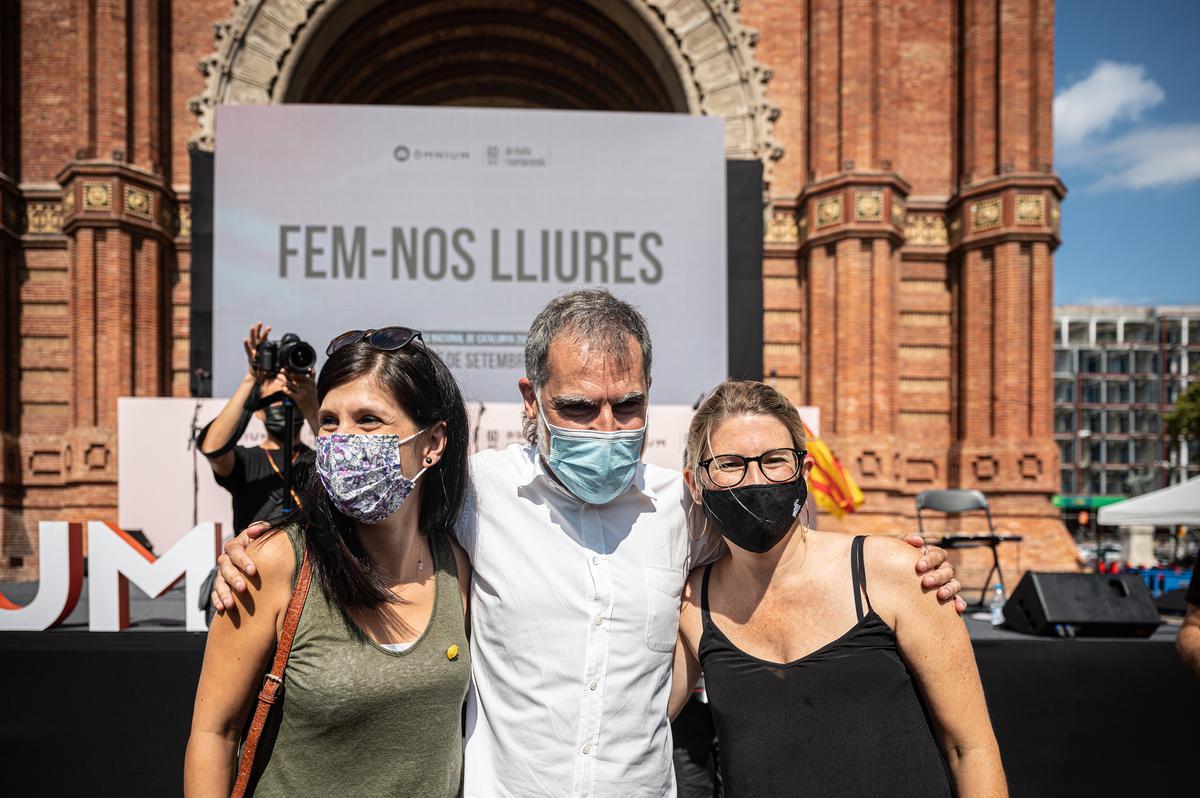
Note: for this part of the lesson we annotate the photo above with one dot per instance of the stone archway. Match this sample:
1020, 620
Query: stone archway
687, 56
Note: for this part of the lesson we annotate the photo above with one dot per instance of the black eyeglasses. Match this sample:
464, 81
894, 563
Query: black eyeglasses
777, 465
385, 339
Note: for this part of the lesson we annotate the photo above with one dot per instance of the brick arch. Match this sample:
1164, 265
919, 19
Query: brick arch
271, 51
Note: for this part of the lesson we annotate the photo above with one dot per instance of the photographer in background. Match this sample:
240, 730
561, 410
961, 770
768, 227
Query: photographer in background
255, 476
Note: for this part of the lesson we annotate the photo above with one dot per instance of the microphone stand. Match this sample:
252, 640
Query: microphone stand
195, 467
478, 426
289, 414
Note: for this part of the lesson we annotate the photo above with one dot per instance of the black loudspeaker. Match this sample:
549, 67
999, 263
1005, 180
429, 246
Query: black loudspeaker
1096, 605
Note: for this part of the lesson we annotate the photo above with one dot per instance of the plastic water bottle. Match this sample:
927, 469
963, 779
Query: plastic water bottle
996, 604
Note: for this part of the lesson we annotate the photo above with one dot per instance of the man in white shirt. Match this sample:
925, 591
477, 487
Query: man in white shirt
580, 552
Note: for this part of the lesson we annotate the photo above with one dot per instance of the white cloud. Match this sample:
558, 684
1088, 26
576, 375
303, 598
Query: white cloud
1087, 115
1112, 93
1113, 301
1168, 155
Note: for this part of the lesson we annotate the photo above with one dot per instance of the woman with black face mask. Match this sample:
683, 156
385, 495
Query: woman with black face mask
817, 686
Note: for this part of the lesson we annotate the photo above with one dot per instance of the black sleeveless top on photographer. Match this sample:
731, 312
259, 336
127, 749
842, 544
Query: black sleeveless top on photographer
256, 482
845, 720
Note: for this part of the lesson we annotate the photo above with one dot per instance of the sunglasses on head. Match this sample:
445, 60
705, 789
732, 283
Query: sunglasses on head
385, 339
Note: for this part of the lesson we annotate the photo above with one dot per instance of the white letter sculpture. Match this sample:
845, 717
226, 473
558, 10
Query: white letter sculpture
60, 554
115, 559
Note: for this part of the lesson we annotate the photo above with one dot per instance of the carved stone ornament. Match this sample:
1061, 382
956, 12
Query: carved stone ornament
830, 211
12, 216
97, 195
1030, 466
1055, 215
1031, 210
926, 230
868, 206
43, 218
985, 467
704, 41
68, 204
782, 228
920, 470
986, 215
898, 212
185, 221
96, 457
870, 464
139, 203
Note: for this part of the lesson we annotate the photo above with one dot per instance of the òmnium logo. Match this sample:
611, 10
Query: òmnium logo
524, 156
404, 153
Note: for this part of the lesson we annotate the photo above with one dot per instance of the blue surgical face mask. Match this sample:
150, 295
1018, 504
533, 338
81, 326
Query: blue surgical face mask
596, 467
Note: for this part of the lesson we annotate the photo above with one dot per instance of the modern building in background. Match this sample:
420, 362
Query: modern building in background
1117, 372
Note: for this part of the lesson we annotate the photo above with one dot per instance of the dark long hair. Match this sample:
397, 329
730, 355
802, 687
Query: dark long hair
421, 384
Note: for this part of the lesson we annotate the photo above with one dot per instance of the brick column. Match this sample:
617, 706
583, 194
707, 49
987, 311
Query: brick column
118, 220
10, 362
1003, 226
854, 228
119, 241
13, 541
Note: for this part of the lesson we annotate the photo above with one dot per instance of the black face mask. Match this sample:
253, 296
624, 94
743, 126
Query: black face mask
756, 517
276, 422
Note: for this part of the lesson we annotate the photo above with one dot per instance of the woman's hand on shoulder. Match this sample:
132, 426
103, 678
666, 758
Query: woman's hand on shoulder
269, 588
895, 591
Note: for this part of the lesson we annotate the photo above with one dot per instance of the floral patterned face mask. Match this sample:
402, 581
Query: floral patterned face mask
361, 474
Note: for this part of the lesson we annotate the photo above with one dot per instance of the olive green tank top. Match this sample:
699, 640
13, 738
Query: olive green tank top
358, 719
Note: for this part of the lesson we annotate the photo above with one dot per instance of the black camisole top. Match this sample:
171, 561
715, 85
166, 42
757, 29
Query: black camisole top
845, 720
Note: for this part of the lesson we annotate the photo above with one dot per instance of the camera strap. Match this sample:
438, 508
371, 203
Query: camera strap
279, 473
252, 403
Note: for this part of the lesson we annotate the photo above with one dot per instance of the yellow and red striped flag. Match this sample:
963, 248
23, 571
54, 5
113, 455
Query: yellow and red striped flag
834, 489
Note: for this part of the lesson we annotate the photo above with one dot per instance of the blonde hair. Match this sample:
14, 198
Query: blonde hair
739, 398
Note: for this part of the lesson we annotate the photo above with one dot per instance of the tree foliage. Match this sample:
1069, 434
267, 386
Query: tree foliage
1184, 418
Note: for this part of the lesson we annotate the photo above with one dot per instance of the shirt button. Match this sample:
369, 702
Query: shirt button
587, 749
598, 621
595, 560
592, 686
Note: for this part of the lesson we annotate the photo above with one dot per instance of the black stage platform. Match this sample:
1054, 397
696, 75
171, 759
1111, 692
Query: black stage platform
108, 713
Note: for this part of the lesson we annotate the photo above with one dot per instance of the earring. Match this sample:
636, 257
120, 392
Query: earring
428, 460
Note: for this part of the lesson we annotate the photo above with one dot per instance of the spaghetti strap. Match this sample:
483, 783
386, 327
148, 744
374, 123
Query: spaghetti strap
858, 576
704, 595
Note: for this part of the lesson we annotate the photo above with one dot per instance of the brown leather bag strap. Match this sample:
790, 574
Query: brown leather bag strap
273, 680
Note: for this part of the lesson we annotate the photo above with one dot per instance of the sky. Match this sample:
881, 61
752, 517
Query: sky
1127, 146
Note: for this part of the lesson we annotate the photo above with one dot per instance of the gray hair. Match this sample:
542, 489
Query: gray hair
593, 316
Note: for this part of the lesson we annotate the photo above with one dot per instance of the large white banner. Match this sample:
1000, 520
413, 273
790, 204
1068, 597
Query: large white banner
463, 223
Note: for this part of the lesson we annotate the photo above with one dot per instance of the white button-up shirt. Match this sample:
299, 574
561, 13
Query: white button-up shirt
574, 615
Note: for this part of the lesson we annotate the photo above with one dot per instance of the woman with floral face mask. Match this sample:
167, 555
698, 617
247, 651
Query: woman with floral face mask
817, 686
378, 669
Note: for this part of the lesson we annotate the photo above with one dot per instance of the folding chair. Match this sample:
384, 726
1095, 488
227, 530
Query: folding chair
955, 502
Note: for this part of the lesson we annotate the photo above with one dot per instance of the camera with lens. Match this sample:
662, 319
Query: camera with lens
288, 353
